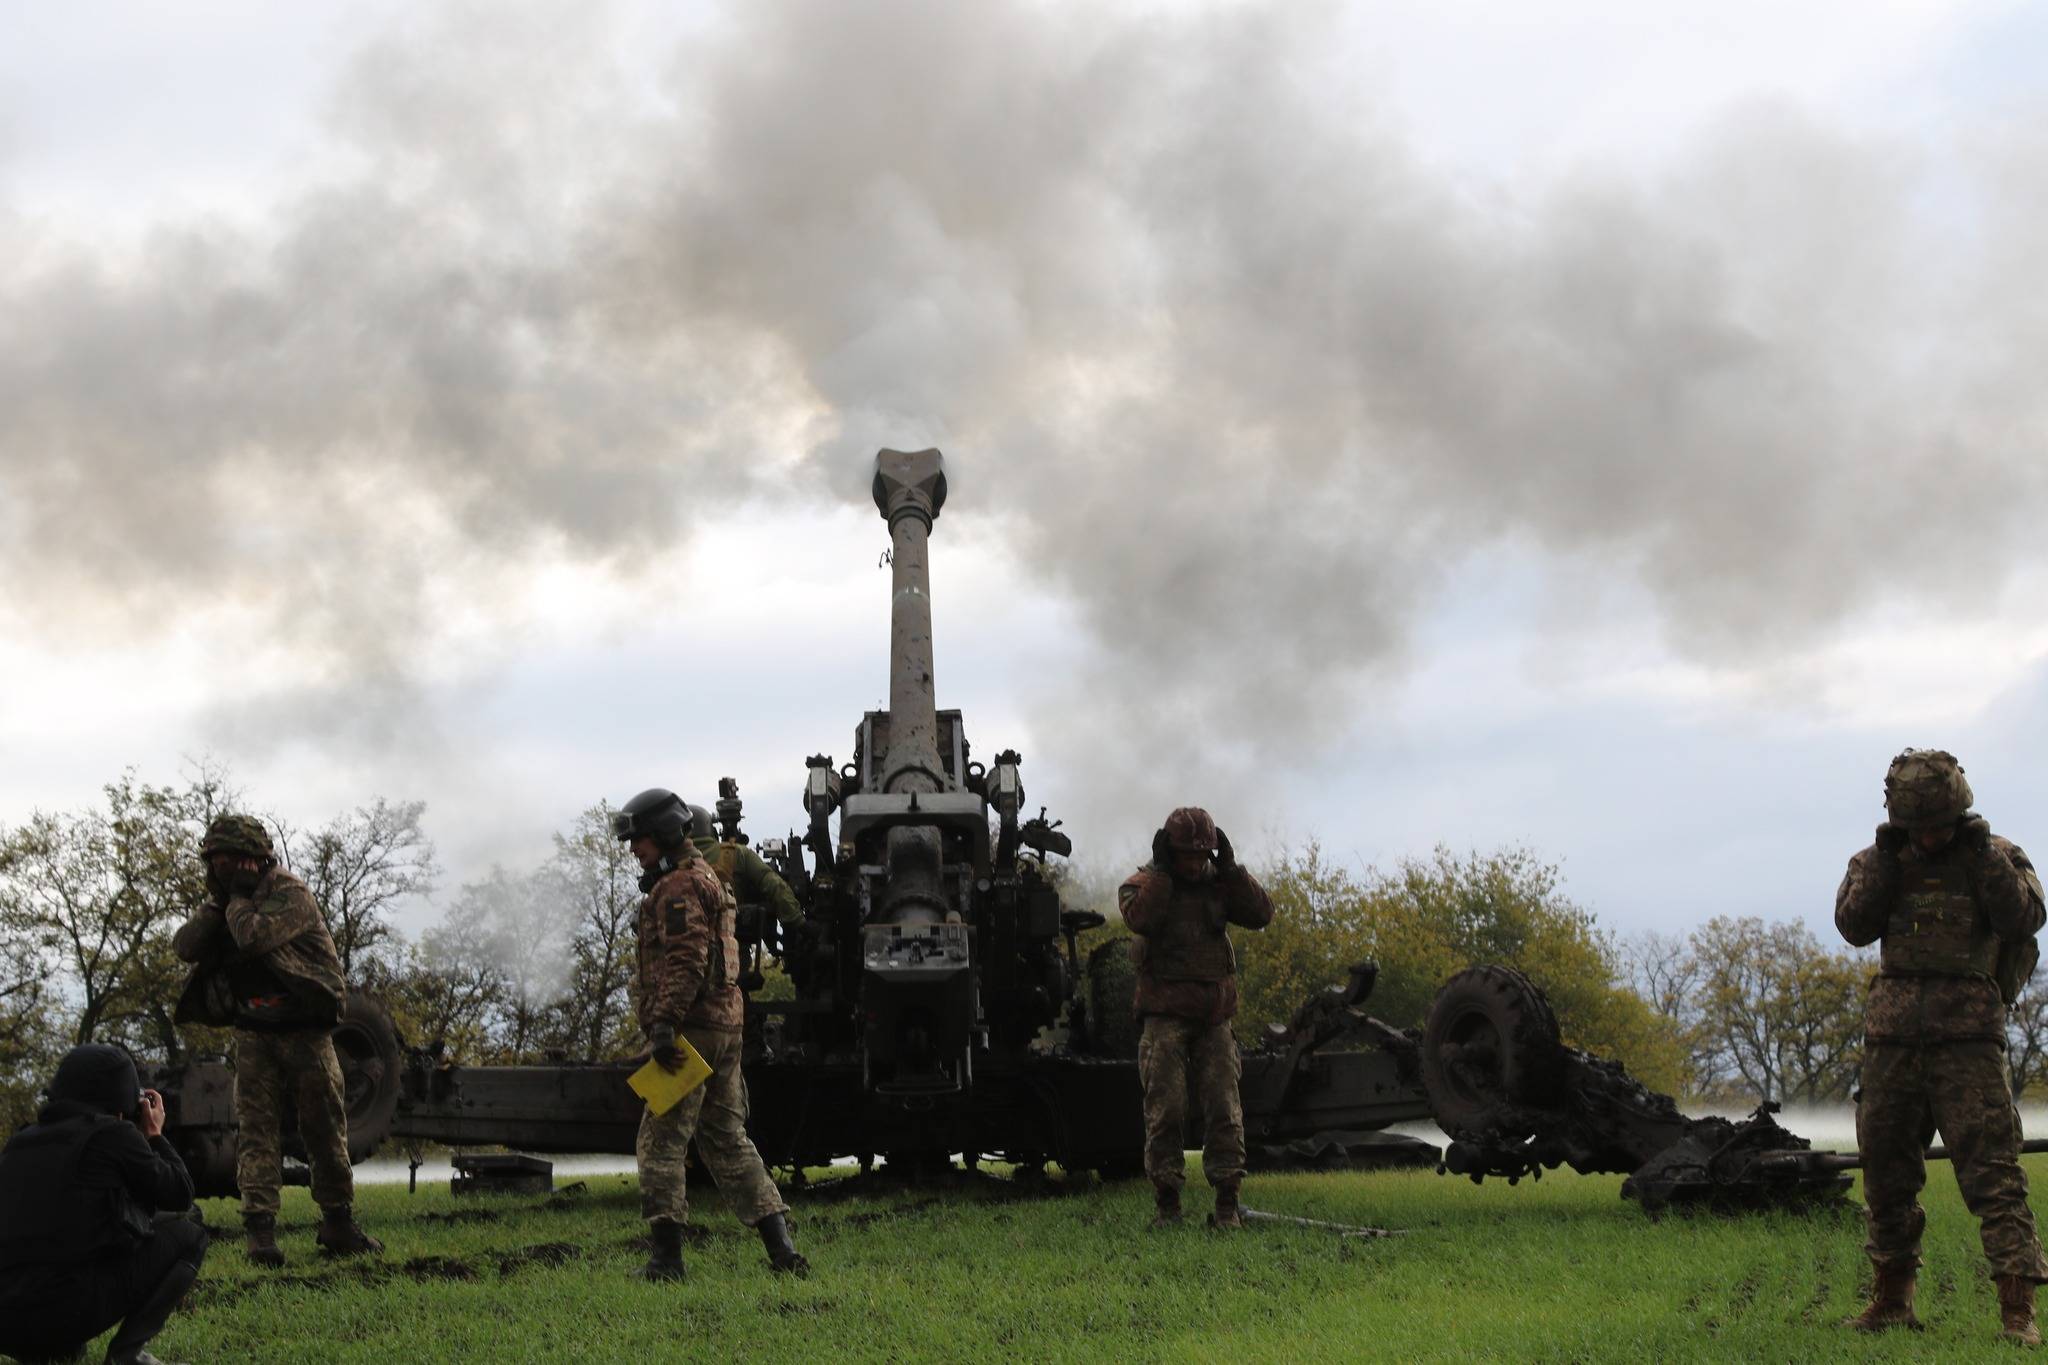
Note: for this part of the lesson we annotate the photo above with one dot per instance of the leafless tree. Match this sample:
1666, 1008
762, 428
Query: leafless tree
1666, 973
359, 867
2026, 1034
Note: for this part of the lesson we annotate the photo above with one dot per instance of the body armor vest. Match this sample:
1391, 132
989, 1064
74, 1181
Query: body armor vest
725, 960
725, 861
46, 1216
1192, 946
1935, 927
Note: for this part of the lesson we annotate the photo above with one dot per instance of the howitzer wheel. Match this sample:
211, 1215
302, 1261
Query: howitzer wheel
1490, 1047
366, 1044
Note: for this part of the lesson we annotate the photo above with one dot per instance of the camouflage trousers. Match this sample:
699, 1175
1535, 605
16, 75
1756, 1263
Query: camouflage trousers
1959, 1089
1176, 1056
271, 1070
715, 1114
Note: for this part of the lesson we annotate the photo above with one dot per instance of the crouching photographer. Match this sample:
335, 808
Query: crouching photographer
82, 1245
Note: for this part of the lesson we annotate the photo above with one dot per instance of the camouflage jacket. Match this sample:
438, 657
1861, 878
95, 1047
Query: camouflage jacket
753, 882
688, 964
1182, 949
1917, 1007
273, 941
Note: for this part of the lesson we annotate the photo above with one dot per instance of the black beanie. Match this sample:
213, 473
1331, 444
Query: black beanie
100, 1076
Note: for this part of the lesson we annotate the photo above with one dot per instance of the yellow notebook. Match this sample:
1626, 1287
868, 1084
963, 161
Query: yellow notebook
662, 1088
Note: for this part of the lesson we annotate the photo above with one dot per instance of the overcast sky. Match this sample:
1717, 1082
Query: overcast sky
1609, 428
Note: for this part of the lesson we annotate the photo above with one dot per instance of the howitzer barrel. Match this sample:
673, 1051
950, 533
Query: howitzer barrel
1851, 1161
909, 490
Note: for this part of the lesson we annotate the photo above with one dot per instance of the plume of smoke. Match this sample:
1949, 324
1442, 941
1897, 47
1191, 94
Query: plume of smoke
1201, 330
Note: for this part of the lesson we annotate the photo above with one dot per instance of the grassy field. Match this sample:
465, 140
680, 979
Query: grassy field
1561, 1269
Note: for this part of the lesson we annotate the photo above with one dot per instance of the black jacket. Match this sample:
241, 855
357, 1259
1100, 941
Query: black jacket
80, 1183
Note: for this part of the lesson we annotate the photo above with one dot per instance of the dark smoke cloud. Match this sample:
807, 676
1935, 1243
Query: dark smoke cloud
1234, 368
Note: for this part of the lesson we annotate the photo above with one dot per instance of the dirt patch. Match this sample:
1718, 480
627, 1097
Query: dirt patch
462, 1216
540, 1254
221, 1292
426, 1268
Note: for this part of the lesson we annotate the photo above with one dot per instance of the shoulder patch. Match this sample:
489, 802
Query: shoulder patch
676, 917
1127, 893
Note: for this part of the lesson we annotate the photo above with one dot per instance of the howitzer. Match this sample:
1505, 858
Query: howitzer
944, 1006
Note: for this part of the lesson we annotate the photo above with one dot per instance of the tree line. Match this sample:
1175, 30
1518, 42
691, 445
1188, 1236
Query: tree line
520, 966
536, 964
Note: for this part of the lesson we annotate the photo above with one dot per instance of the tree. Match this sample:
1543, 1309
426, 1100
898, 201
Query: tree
1664, 972
1784, 1013
29, 1031
101, 891
445, 989
2026, 1034
359, 867
598, 880
1427, 919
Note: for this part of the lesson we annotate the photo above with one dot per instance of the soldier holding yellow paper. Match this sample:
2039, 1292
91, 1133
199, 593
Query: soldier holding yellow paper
688, 988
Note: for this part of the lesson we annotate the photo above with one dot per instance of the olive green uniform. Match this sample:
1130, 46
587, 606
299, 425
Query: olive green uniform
752, 881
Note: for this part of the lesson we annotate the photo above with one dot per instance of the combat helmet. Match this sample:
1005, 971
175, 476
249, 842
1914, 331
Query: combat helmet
1925, 788
701, 826
1190, 830
657, 813
242, 835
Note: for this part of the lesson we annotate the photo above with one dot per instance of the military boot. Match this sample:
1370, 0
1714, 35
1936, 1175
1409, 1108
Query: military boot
666, 1260
340, 1235
1891, 1300
2016, 1310
1165, 1207
1227, 1213
261, 1231
782, 1253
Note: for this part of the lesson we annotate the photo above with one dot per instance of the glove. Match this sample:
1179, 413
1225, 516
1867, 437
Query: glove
1162, 852
1890, 838
1226, 856
1974, 831
661, 1043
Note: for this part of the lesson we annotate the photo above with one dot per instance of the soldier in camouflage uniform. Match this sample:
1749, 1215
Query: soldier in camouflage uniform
1955, 909
1178, 906
686, 984
752, 883
266, 964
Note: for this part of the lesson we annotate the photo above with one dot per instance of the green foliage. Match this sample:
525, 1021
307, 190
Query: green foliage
99, 893
30, 1038
1561, 1270
1428, 918
1783, 1013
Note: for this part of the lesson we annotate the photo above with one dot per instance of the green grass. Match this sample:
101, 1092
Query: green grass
1557, 1270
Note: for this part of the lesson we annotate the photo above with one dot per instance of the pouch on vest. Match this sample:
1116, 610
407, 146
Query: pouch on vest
1936, 927
2017, 958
